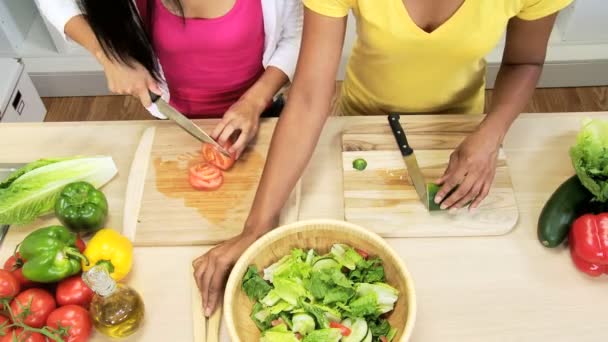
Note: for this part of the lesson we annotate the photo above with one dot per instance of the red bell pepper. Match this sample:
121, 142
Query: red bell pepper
588, 241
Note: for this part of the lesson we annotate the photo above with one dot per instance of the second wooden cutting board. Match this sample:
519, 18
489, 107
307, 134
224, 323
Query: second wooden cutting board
173, 213
382, 198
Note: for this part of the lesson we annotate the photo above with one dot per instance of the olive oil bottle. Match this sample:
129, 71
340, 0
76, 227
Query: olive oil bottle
116, 309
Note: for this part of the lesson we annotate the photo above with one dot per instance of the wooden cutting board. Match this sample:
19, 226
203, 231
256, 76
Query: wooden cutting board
383, 199
173, 213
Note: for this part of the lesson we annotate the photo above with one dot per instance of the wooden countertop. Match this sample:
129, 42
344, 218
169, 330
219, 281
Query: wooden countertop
506, 288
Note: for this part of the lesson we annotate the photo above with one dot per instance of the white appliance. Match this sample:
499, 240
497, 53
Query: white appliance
19, 100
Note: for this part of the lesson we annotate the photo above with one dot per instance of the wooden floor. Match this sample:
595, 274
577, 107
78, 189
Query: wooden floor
104, 108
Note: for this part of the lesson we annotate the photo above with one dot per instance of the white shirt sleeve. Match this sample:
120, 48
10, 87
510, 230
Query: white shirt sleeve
59, 12
286, 54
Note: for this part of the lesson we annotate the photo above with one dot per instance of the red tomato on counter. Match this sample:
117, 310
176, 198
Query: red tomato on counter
14, 265
73, 290
40, 304
23, 336
75, 319
9, 285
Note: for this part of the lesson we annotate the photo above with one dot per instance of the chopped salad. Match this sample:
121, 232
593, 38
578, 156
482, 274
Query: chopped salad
338, 296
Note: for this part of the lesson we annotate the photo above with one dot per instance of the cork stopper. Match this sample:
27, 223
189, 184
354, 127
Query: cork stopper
99, 280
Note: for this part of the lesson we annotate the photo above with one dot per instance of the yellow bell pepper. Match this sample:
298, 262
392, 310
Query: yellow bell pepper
112, 250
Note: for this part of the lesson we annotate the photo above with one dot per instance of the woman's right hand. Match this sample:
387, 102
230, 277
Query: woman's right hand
129, 80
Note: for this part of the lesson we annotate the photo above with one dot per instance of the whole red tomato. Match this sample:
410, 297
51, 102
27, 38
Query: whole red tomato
74, 319
4, 323
80, 244
37, 303
9, 285
14, 265
73, 290
23, 336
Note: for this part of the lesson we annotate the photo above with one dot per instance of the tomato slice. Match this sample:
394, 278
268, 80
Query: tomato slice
205, 177
362, 253
383, 339
344, 330
215, 157
276, 322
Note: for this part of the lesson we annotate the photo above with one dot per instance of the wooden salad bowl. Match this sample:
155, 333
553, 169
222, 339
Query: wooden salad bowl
320, 235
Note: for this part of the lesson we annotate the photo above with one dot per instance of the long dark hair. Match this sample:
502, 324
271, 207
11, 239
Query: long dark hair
123, 33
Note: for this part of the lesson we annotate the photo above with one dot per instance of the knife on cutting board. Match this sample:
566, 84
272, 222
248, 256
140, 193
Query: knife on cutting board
185, 123
409, 157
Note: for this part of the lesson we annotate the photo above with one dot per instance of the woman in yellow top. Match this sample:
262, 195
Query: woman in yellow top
410, 56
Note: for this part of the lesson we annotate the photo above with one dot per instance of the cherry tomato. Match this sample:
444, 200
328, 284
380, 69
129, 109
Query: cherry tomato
205, 177
9, 285
344, 330
23, 336
298, 336
217, 158
362, 253
75, 319
40, 304
14, 265
80, 244
4, 325
383, 339
73, 290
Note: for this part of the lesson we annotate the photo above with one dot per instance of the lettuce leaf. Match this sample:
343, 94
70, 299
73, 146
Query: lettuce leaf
346, 255
324, 335
254, 286
32, 191
368, 271
590, 157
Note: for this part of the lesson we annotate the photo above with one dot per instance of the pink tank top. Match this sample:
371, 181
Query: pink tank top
209, 63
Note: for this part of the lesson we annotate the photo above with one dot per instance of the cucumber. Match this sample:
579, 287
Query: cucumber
431, 190
569, 201
358, 330
368, 337
325, 263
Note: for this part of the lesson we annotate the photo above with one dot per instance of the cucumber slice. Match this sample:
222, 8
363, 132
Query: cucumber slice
358, 330
368, 337
325, 263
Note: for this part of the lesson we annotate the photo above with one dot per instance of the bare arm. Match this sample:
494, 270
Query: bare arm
521, 67
300, 125
473, 164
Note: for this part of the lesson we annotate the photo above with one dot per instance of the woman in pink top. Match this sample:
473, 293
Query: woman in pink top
210, 58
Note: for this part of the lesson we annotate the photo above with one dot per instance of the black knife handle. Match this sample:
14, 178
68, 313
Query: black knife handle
153, 96
399, 133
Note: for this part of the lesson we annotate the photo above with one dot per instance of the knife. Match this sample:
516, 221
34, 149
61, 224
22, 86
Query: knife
409, 157
185, 123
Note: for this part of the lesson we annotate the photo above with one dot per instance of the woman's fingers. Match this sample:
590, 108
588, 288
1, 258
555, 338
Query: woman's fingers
470, 196
485, 190
206, 281
451, 180
219, 128
240, 143
463, 189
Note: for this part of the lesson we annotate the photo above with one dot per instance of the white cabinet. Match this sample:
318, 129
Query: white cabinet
19, 100
585, 21
16, 18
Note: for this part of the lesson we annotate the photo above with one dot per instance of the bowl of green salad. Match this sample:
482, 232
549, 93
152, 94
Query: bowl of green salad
320, 281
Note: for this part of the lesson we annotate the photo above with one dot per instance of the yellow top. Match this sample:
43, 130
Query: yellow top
395, 66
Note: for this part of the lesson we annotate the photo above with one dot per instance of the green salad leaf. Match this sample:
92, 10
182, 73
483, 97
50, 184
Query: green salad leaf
590, 157
254, 286
323, 335
32, 191
306, 291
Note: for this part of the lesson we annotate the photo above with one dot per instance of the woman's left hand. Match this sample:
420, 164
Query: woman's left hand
472, 168
243, 117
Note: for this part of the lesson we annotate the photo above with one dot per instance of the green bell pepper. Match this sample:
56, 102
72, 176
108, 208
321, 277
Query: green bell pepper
81, 207
51, 255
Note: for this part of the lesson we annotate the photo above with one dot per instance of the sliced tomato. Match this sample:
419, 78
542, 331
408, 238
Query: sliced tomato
206, 177
344, 330
383, 339
362, 253
215, 157
276, 322
298, 336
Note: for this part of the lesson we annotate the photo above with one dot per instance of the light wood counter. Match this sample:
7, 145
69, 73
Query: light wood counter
505, 288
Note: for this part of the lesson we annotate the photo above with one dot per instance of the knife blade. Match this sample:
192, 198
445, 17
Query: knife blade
409, 157
185, 123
